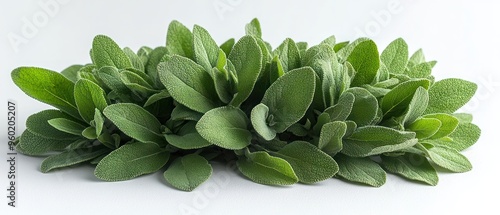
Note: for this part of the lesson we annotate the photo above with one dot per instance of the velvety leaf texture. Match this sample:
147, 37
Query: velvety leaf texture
296, 113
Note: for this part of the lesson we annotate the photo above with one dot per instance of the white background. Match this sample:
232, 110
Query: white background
464, 36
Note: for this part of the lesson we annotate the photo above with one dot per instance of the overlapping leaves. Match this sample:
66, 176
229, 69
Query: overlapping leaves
285, 115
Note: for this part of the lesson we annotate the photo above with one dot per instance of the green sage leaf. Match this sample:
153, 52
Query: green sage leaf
131, 160
188, 172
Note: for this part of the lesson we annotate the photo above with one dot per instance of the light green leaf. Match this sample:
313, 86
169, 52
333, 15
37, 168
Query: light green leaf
310, 164
365, 107
373, 140
38, 124
425, 127
288, 53
364, 58
131, 160
417, 106
99, 121
206, 50
330, 138
448, 124
134, 59
71, 157
136, 122
417, 58
188, 172
48, 87
276, 70
246, 56
157, 97
71, 72
330, 41
448, 95
422, 70
253, 28
110, 76
341, 110
187, 138
89, 133
227, 46
222, 85
464, 136
262, 168
395, 56
33, 144
189, 84
88, 97
179, 40
259, 119
411, 166
289, 97
396, 101
105, 52
225, 127
155, 57
361, 170
67, 125
449, 159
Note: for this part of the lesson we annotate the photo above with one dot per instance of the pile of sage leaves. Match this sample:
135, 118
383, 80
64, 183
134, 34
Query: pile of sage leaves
285, 115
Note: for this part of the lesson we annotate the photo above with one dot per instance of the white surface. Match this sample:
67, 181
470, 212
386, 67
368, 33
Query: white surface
462, 35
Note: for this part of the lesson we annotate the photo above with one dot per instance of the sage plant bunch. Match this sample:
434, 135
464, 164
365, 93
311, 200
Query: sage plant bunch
295, 113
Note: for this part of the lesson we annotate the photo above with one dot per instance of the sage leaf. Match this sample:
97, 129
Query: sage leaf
225, 127
99, 121
464, 136
288, 54
448, 124
135, 122
88, 97
364, 108
179, 40
246, 56
395, 56
227, 46
372, 140
71, 157
417, 106
396, 101
365, 60
188, 84
361, 170
425, 127
341, 110
448, 95
310, 164
188, 172
262, 168
330, 138
105, 52
289, 97
259, 119
187, 138
33, 144
411, 166
206, 50
71, 73
66, 125
449, 159
48, 87
38, 124
131, 160
253, 28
